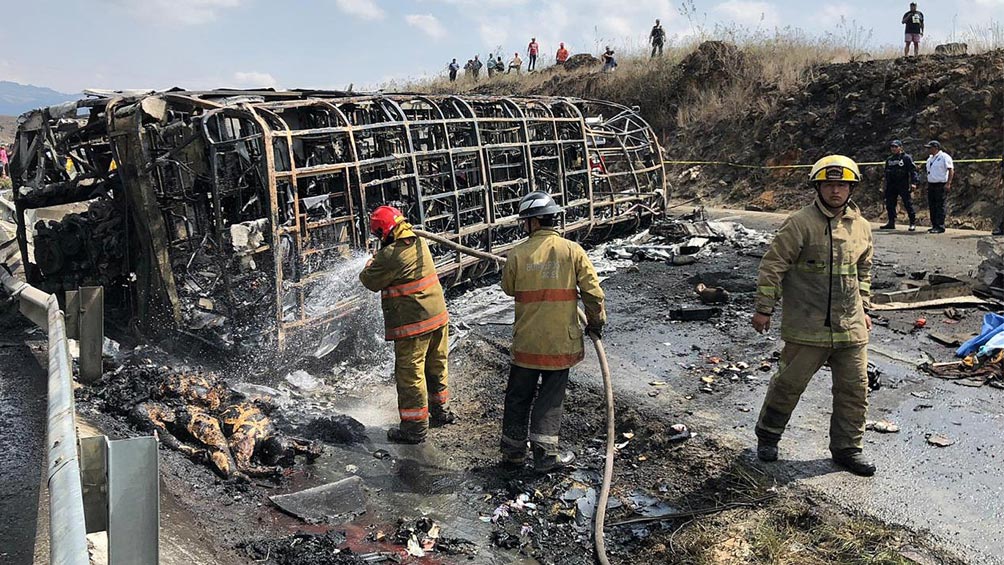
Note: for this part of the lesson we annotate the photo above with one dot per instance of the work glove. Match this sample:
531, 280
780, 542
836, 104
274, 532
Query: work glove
595, 331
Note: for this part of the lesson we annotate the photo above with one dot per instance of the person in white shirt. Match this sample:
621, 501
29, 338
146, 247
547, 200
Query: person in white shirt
940, 172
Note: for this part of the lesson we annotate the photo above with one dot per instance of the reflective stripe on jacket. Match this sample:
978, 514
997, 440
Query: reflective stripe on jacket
542, 274
412, 297
822, 263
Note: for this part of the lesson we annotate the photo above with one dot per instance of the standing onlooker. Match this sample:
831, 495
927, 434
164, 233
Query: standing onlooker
940, 172
499, 65
454, 67
531, 51
999, 230
657, 38
4, 161
914, 21
476, 65
900, 178
562, 55
609, 62
516, 63
469, 68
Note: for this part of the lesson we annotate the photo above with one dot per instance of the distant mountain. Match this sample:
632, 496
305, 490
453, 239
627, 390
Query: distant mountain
16, 99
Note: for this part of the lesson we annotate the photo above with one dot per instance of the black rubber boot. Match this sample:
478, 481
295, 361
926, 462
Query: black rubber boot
548, 463
766, 451
512, 459
440, 418
888, 227
395, 435
854, 462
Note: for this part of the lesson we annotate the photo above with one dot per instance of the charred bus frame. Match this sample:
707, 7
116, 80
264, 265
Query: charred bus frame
219, 213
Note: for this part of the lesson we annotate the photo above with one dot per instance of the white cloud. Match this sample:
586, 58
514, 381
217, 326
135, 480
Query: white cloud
750, 12
365, 9
494, 32
427, 24
833, 12
254, 79
177, 12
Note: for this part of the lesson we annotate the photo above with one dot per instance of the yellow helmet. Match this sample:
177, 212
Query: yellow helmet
835, 167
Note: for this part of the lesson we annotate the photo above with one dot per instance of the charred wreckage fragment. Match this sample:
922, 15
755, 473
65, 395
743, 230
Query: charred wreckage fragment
219, 214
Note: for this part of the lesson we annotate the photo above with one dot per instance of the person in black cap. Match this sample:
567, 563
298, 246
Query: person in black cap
940, 172
914, 22
900, 178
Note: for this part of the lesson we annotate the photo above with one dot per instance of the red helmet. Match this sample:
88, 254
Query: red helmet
383, 221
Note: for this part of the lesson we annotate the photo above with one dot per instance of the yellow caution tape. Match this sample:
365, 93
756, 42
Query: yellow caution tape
768, 167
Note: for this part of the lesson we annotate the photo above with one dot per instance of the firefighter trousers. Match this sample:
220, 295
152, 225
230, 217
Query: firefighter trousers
535, 419
849, 367
420, 371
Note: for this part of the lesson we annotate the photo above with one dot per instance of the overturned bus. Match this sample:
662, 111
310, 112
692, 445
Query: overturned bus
222, 214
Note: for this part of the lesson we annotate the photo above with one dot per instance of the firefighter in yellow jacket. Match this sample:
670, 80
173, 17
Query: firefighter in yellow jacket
820, 263
415, 319
545, 274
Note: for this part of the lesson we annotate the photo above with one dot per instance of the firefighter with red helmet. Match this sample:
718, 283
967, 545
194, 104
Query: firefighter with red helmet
415, 319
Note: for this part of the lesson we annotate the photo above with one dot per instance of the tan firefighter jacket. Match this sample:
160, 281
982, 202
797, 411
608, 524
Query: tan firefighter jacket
412, 297
543, 273
822, 265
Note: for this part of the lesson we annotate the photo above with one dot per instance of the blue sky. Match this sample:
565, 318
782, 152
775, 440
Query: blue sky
123, 44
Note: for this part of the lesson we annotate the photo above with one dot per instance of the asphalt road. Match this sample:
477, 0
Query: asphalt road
22, 433
954, 492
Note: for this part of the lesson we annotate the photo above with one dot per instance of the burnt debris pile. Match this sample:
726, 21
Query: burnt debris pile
195, 413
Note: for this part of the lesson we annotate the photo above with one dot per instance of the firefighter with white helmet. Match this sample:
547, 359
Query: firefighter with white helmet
819, 268
545, 274
415, 319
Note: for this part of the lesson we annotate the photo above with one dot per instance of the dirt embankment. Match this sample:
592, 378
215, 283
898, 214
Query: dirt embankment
723, 103
8, 127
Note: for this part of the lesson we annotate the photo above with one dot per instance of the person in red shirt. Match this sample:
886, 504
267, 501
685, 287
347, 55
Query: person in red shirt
531, 50
562, 55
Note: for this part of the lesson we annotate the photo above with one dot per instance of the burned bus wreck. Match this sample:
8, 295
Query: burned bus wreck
223, 214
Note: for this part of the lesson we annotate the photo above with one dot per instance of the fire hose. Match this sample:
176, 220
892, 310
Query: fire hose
608, 467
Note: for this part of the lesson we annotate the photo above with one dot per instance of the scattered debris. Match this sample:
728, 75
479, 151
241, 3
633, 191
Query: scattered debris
694, 313
717, 295
331, 503
882, 427
303, 380
939, 440
954, 313
339, 429
684, 240
302, 548
874, 377
920, 323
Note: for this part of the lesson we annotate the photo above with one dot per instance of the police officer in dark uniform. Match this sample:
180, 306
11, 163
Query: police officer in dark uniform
900, 178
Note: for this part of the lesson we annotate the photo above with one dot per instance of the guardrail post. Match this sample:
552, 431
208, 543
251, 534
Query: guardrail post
85, 322
121, 485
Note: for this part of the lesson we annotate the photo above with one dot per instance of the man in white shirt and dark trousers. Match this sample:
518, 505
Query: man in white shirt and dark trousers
940, 172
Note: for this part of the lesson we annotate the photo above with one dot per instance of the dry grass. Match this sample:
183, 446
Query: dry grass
778, 61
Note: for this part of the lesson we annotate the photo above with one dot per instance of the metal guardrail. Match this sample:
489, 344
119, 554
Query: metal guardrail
67, 530
119, 492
